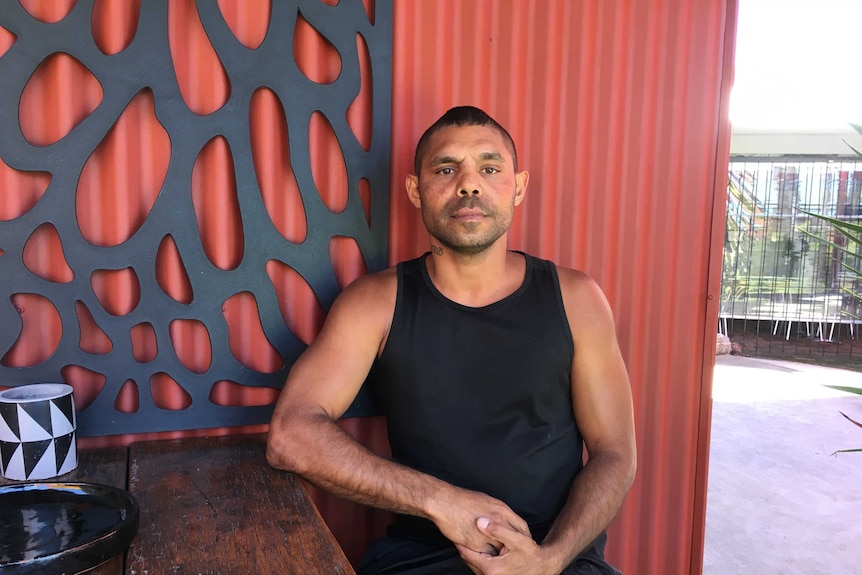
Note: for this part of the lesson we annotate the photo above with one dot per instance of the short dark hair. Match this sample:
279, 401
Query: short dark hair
461, 116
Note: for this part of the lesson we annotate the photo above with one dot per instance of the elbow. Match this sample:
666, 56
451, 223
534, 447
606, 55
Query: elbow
628, 459
275, 454
281, 451
632, 468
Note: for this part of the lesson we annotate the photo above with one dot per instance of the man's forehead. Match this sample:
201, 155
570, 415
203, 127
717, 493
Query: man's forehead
458, 141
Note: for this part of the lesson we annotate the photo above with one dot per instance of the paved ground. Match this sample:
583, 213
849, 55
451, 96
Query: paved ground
779, 502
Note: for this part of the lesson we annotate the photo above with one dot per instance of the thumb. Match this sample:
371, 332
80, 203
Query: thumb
505, 534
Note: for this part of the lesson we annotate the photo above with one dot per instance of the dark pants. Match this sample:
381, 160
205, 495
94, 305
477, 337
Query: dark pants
391, 556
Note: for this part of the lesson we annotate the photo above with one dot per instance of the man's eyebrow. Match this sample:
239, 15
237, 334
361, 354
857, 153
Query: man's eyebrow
486, 156
437, 160
492, 156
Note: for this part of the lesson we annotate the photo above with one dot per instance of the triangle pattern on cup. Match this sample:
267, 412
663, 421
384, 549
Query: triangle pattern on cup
6, 431
39, 459
65, 453
32, 430
60, 423
67, 406
12, 458
9, 420
40, 412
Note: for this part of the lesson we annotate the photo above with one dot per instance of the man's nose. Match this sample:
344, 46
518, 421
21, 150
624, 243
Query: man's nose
468, 185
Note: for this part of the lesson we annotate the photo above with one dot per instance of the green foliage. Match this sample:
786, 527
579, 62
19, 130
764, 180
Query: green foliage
858, 391
852, 252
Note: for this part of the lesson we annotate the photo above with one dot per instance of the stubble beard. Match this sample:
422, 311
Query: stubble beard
467, 238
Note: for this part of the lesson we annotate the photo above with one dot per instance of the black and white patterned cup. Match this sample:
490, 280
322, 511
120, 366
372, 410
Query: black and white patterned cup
37, 431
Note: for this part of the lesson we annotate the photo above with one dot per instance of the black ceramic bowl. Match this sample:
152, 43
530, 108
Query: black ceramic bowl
63, 528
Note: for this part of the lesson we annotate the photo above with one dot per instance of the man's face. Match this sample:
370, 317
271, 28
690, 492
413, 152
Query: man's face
467, 187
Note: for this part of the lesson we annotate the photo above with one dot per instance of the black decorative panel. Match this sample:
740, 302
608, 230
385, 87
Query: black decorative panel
178, 205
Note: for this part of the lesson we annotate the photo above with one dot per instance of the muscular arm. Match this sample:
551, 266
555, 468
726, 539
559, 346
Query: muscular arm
602, 404
602, 407
304, 437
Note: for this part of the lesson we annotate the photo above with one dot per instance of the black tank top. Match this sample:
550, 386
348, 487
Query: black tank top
481, 397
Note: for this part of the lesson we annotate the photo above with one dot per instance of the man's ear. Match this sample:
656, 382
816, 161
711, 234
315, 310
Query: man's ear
412, 185
521, 179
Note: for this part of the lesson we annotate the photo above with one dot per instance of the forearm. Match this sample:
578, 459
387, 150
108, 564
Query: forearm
594, 499
317, 448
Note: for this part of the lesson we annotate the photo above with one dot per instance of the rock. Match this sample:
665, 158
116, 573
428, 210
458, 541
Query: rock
735, 348
722, 345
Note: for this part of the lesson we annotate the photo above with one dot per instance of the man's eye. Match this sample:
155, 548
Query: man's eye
445, 171
490, 170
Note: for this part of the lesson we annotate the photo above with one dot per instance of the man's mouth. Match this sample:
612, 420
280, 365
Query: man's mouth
468, 214
468, 210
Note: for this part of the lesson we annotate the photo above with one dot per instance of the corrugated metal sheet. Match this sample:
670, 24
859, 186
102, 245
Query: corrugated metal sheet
619, 109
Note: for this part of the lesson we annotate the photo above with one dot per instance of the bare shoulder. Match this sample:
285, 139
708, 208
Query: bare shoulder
369, 295
586, 306
328, 375
580, 291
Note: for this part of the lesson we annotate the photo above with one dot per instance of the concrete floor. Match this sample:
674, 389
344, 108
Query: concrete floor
779, 501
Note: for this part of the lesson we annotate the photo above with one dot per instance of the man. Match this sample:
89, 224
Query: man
494, 369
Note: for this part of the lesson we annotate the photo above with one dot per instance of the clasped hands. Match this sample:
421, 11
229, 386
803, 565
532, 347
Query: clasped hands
491, 538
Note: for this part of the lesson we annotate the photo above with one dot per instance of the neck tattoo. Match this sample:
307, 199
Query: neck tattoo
436, 250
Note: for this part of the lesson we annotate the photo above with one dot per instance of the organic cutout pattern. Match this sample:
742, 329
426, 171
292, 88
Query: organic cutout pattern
92, 339
144, 344
231, 394
110, 155
50, 11
48, 111
20, 191
122, 178
40, 331
359, 114
168, 394
327, 163
370, 9
275, 178
114, 24
248, 342
43, 255
315, 56
191, 342
86, 384
171, 273
216, 206
299, 306
128, 399
118, 291
248, 20
7, 38
204, 85
365, 196
346, 258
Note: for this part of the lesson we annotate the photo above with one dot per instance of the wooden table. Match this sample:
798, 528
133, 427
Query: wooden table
212, 505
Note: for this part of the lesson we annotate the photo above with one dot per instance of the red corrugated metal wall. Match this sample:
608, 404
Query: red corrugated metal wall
619, 109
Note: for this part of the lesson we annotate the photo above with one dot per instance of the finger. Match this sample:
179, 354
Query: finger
505, 534
517, 522
474, 560
469, 552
